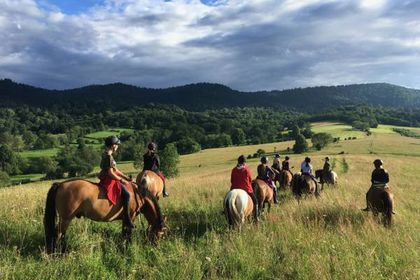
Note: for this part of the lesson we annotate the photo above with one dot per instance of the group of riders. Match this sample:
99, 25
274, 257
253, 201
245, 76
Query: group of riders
116, 182
241, 177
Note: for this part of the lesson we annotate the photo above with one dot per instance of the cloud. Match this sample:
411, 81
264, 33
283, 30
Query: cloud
245, 44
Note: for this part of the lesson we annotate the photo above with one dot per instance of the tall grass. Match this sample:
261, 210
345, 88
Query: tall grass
326, 238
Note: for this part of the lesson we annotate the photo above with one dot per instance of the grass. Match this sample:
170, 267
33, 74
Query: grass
104, 133
329, 238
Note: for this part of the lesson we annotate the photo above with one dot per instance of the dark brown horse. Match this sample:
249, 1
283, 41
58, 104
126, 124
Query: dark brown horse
264, 194
151, 181
77, 198
381, 200
285, 179
303, 184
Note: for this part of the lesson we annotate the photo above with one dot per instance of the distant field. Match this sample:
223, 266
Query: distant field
102, 134
39, 153
326, 238
337, 130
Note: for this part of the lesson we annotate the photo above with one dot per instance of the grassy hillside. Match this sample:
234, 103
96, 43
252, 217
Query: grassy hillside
329, 238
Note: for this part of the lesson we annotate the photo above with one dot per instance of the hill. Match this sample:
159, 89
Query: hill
204, 96
326, 238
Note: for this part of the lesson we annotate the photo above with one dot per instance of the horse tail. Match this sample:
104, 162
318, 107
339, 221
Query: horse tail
49, 218
388, 208
228, 210
296, 185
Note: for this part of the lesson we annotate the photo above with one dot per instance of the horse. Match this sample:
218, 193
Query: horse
285, 179
264, 194
329, 180
303, 184
151, 181
381, 200
77, 198
238, 206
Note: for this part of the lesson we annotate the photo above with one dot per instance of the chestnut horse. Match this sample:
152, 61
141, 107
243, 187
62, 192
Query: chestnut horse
381, 200
303, 184
151, 181
237, 206
264, 194
285, 179
77, 198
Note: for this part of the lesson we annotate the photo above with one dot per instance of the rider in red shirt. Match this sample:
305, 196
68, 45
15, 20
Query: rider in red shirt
241, 178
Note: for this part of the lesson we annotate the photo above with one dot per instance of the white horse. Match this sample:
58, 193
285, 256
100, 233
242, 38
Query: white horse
237, 207
331, 180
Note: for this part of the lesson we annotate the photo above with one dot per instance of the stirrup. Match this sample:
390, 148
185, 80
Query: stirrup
165, 194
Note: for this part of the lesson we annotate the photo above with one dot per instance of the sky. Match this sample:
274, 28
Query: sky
247, 45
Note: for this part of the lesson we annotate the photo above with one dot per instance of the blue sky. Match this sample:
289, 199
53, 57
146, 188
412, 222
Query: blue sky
245, 44
72, 6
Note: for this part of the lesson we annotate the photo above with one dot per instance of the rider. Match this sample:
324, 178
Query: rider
113, 179
285, 165
276, 163
263, 174
326, 170
151, 162
379, 179
241, 178
307, 169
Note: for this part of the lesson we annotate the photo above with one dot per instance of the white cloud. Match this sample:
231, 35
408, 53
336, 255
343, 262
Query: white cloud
246, 44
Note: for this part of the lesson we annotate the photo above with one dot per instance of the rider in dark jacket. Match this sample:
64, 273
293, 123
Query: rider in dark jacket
379, 179
151, 161
264, 174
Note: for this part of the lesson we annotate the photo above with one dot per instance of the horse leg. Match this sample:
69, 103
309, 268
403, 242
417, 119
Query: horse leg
61, 234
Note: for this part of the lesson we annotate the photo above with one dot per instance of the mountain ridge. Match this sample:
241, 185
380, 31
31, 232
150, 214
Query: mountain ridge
203, 96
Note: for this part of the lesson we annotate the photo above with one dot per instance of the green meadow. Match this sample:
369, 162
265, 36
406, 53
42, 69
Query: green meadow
325, 238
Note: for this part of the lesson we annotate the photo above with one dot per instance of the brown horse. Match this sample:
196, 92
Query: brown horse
77, 198
151, 181
303, 184
264, 194
381, 200
285, 179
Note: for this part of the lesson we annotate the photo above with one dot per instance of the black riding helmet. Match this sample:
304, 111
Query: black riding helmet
264, 159
241, 159
308, 159
111, 140
378, 162
327, 158
287, 158
277, 156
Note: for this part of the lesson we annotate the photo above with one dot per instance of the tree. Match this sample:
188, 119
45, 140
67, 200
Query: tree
4, 179
187, 146
169, 160
300, 145
238, 136
321, 140
9, 161
359, 125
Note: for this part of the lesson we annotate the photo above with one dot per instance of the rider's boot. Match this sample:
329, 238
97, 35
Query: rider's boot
165, 194
276, 201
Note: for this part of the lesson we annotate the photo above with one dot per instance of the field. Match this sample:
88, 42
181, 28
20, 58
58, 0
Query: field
328, 238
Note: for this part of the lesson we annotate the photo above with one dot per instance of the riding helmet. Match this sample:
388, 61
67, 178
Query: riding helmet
378, 162
287, 158
111, 140
264, 159
277, 156
151, 146
327, 158
308, 159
